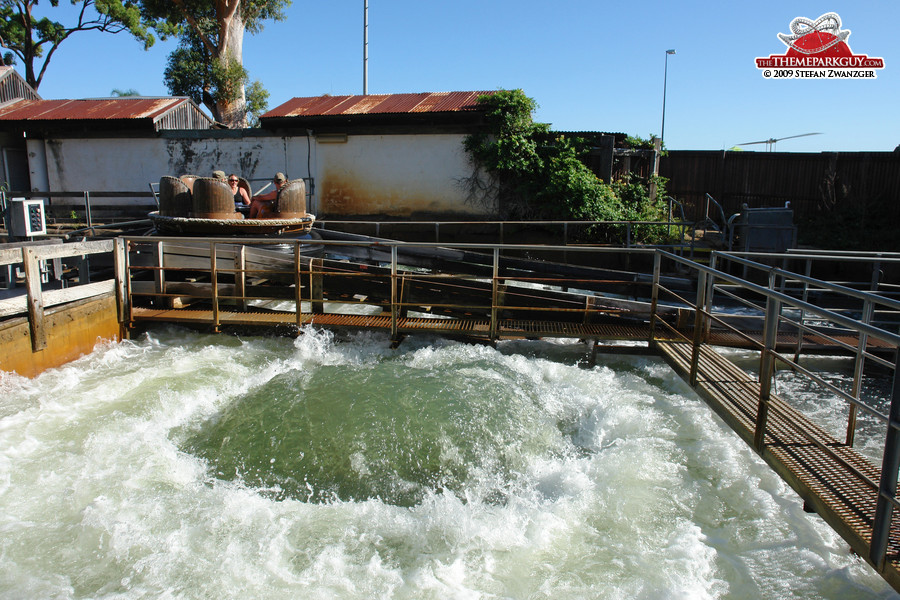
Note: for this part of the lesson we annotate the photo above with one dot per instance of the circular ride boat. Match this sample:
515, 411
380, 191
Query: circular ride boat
204, 206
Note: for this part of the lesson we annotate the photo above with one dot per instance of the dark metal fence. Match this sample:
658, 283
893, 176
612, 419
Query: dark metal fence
816, 184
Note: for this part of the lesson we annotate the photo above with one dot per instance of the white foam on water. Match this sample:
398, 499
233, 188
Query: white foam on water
620, 484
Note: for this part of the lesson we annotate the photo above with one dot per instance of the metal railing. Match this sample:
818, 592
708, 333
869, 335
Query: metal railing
566, 230
778, 311
486, 287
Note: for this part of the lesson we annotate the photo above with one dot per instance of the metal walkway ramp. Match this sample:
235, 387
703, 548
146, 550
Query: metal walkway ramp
838, 483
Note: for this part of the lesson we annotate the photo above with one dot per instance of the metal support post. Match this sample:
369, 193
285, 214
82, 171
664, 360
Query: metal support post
298, 286
214, 278
710, 292
316, 286
767, 366
699, 324
240, 277
126, 276
35, 299
495, 288
119, 265
858, 369
888, 485
159, 276
654, 298
394, 307
89, 222
805, 298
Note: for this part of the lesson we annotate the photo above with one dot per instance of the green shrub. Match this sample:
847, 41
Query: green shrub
548, 180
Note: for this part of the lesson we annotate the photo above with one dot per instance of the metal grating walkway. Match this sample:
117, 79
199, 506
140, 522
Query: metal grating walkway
462, 327
623, 331
843, 499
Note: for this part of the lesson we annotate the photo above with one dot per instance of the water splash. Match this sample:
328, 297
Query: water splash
146, 470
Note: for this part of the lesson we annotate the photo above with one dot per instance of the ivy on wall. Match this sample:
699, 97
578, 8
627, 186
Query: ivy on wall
535, 175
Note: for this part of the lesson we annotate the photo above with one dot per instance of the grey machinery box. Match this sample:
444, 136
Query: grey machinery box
25, 217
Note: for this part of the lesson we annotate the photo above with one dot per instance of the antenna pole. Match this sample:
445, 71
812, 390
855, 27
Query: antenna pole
365, 47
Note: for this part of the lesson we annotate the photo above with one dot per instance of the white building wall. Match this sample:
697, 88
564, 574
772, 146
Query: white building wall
392, 175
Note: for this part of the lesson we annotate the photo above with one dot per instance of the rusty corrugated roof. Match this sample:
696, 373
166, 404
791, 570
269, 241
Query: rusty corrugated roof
375, 104
98, 109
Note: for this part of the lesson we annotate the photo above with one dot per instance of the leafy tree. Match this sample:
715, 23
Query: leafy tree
35, 40
208, 64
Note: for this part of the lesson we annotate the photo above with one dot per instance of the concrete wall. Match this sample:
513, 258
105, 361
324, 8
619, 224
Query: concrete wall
355, 175
131, 164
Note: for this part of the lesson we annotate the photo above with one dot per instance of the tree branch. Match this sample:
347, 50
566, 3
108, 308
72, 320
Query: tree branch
207, 43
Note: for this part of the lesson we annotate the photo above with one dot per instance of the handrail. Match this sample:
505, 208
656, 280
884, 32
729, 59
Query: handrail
820, 284
885, 336
706, 216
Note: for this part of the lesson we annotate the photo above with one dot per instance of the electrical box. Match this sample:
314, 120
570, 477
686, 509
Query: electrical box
766, 229
25, 217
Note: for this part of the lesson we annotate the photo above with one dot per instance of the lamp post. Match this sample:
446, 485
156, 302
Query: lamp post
662, 133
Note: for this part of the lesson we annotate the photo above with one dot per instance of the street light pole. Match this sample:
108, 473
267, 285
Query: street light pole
662, 133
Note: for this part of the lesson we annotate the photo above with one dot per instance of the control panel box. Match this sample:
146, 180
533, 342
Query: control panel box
25, 217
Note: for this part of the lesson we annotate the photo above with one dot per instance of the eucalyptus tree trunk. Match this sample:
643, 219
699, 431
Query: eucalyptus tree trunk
232, 106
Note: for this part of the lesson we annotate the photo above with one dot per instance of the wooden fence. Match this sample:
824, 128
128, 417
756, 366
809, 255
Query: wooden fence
816, 184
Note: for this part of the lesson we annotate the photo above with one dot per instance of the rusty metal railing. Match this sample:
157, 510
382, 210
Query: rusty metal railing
775, 307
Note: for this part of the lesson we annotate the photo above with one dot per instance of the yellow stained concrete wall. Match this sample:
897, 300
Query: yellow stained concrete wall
72, 330
395, 175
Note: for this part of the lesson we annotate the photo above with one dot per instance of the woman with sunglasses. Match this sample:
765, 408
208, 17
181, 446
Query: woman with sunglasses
241, 197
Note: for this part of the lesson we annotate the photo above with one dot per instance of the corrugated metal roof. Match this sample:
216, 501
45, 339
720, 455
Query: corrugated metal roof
375, 104
90, 110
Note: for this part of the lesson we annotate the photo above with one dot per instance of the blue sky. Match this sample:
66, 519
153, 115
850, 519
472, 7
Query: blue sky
591, 65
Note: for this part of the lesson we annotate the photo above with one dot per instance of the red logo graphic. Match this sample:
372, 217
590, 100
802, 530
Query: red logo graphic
818, 49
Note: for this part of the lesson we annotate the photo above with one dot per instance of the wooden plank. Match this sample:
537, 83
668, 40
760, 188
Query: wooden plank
11, 253
19, 304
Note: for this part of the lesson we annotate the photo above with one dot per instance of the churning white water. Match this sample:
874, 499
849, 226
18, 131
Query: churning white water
181, 465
